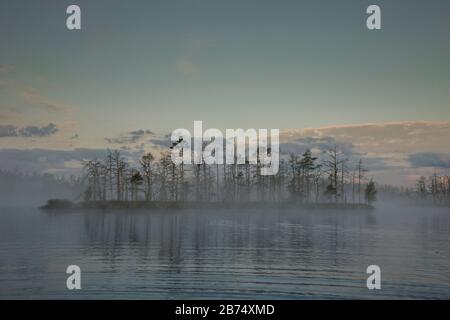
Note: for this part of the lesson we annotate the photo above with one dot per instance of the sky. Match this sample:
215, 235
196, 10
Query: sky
153, 66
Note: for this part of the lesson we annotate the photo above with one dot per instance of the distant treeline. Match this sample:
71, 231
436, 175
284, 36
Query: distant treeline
301, 178
435, 188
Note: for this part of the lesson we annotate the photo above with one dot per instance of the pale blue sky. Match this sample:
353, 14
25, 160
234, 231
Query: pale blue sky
280, 64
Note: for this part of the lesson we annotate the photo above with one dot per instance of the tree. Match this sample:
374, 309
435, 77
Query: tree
147, 170
317, 180
343, 174
119, 167
93, 191
135, 181
109, 167
330, 190
178, 177
370, 193
361, 170
332, 164
421, 187
434, 186
163, 174
307, 167
293, 186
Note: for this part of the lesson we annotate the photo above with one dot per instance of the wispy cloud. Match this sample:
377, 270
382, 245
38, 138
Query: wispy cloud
430, 159
161, 142
9, 113
8, 131
31, 91
47, 160
321, 145
34, 131
28, 131
130, 137
391, 137
39, 100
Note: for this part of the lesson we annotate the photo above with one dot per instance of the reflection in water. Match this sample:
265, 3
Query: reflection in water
226, 254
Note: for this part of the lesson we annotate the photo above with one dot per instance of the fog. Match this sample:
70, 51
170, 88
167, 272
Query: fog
24, 190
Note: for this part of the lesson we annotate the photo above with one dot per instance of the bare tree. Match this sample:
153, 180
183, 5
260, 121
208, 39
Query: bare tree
361, 172
147, 170
335, 159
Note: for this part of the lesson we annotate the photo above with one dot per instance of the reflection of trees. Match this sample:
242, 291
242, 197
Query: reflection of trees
226, 242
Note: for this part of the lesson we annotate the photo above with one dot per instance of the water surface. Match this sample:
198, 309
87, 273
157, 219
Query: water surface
226, 254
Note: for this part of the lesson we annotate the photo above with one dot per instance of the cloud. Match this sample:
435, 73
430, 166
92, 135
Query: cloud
163, 142
430, 159
34, 131
47, 160
8, 131
30, 94
130, 137
392, 137
28, 131
397, 151
9, 113
140, 132
321, 145
34, 98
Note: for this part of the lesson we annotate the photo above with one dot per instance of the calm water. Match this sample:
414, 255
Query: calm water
225, 254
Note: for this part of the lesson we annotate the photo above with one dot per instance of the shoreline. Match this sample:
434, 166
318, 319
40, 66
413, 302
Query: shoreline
67, 205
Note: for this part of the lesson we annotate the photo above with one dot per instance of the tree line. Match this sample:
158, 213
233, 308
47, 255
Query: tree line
435, 187
302, 178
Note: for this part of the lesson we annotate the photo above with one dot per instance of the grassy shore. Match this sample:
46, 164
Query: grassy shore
63, 205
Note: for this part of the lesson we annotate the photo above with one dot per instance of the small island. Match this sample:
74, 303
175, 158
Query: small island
304, 182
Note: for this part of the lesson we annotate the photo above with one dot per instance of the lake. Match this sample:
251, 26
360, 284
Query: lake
226, 254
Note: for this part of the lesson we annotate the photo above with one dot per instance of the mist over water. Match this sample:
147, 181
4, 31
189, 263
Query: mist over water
189, 254
32, 190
